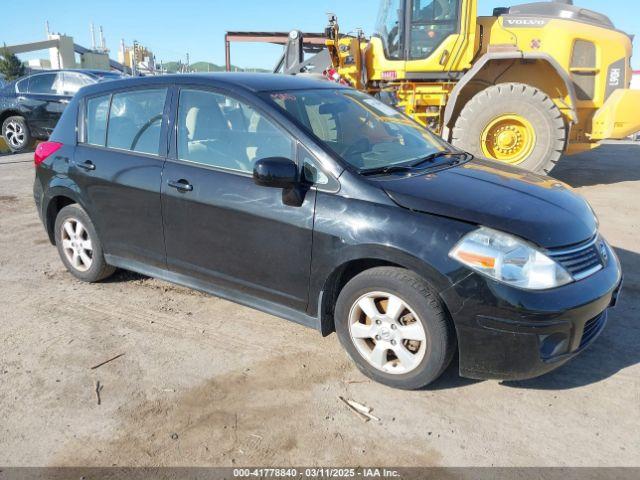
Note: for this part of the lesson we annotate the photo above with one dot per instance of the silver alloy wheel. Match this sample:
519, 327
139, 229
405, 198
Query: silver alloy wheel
15, 134
76, 244
387, 333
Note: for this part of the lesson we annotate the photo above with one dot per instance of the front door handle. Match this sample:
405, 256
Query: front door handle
87, 165
181, 185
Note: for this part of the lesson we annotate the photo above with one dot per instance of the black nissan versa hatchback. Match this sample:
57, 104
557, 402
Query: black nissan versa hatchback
322, 205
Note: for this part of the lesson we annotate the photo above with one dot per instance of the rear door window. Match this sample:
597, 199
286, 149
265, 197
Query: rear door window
96, 120
43, 84
135, 120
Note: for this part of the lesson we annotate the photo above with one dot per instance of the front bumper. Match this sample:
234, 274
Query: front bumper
511, 334
618, 117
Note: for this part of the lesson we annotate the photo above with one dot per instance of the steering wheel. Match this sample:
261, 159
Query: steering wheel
144, 128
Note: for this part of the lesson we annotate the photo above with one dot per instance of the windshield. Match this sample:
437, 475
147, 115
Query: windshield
362, 130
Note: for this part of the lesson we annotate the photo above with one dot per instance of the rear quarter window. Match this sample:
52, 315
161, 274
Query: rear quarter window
22, 86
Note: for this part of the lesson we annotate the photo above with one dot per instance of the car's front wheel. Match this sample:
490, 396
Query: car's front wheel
79, 246
394, 327
16, 134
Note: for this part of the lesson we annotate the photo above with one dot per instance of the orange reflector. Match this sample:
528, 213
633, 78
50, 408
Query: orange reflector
475, 259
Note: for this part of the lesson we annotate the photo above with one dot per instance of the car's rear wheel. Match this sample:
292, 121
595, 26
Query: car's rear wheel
394, 327
79, 246
16, 134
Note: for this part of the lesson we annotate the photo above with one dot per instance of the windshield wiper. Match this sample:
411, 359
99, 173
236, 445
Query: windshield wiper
388, 169
407, 168
434, 156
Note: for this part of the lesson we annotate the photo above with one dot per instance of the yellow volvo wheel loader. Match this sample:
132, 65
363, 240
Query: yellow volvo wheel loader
522, 86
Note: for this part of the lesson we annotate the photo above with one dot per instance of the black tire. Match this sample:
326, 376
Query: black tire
518, 99
98, 269
16, 134
415, 292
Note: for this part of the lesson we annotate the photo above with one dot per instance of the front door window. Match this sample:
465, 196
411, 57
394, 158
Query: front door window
220, 131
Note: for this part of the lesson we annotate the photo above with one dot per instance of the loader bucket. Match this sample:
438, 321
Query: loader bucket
619, 117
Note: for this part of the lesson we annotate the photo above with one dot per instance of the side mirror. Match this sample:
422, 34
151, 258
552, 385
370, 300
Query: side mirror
277, 172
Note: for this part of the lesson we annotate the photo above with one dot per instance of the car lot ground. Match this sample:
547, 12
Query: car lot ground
206, 382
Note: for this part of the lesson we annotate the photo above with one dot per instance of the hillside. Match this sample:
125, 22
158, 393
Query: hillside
173, 67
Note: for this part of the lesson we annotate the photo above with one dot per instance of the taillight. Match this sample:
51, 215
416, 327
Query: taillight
44, 150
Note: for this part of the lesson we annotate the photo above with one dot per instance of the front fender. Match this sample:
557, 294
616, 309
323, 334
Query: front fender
348, 230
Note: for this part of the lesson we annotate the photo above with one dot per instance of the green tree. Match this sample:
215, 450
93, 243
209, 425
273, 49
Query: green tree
10, 65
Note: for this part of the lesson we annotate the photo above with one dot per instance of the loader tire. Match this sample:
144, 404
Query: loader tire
515, 124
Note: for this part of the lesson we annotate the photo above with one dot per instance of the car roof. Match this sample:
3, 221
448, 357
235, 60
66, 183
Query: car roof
254, 82
78, 70
260, 82
86, 71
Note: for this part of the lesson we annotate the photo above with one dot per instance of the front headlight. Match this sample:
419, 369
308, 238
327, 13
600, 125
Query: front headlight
509, 259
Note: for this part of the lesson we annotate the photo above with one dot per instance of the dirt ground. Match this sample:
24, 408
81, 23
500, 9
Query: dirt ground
206, 382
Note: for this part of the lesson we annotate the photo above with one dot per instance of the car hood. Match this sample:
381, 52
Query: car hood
534, 207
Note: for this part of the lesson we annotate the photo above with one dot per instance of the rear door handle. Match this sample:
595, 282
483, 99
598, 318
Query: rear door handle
87, 165
181, 185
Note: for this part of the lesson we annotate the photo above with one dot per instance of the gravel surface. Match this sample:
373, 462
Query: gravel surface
202, 381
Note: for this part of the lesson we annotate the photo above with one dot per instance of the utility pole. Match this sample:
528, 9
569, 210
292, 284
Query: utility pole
134, 59
93, 37
103, 43
187, 66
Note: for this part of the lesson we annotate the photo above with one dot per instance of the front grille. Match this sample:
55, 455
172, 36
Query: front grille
592, 328
580, 261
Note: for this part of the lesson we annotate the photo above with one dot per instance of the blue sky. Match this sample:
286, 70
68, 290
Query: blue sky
171, 28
